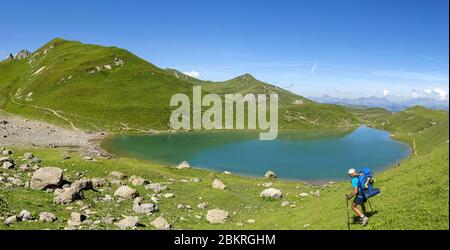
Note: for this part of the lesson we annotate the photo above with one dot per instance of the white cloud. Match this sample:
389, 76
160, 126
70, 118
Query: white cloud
435, 93
192, 73
441, 93
415, 94
385, 92
314, 68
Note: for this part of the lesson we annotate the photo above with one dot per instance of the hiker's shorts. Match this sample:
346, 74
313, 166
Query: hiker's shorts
359, 199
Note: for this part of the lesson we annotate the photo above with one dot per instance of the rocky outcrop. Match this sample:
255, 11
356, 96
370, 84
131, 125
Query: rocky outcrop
22, 54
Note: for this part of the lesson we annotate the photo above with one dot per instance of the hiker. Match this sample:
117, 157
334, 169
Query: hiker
359, 198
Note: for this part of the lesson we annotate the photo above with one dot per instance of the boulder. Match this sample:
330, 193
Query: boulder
145, 208
24, 215
126, 192
28, 156
7, 165
271, 193
82, 184
218, 184
25, 167
270, 175
6, 160
10, 220
47, 217
128, 222
184, 165
47, 177
156, 187
98, 182
138, 181
6, 152
76, 219
161, 224
67, 195
217, 216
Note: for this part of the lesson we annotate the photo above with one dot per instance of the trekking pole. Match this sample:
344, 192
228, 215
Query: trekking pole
370, 205
348, 214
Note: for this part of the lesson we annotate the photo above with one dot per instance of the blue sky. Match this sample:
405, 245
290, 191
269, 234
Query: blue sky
340, 48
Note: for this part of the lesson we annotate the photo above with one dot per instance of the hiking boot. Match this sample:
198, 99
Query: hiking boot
364, 221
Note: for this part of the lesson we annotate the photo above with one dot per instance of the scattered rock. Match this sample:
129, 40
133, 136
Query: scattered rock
226, 172
67, 195
168, 195
270, 175
303, 194
156, 187
138, 181
47, 217
251, 221
24, 215
7, 152
108, 220
128, 222
285, 203
184, 165
126, 192
146, 208
195, 179
217, 216
98, 182
271, 193
76, 219
25, 167
202, 205
218, 184
7, 165
47, 177
28, 156
10, 220
316, 193
161, 224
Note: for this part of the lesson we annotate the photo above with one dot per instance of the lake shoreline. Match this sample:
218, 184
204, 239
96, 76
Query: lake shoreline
221, 169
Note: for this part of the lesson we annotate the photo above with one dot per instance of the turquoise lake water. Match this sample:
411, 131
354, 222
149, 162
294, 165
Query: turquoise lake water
293, 155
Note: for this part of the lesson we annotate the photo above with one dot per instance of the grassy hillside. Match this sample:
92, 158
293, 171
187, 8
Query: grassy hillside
414, 194
93, 87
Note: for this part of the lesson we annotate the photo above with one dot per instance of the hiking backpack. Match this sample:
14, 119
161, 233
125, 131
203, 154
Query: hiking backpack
365, 183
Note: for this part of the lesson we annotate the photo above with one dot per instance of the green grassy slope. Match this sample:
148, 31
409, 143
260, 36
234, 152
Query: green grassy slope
93, 87
414, 194
295, 112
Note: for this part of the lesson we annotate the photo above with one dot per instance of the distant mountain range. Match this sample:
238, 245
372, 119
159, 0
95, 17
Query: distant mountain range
383, 102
